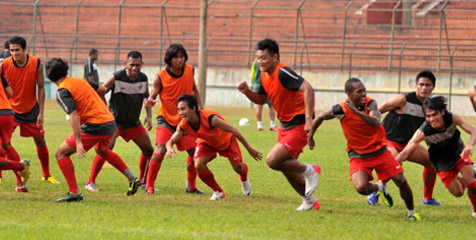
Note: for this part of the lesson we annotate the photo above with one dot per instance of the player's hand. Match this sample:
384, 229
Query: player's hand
80, 150
148, 123
150, 102
255, 154
349, 104
311, 143
170, 152
243, 87
39, 120
467, 151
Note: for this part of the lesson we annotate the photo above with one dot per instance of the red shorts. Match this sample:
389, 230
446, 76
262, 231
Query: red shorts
6, 128
391, 144
163, 134
131, 133
101, 141
294, 139
233, 152
384, 164
447, 177
29, 129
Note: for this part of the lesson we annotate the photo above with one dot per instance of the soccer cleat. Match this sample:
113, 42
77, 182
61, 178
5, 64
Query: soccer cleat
387, 199
21, 188
149, 192
474, 214
312, 181
133, 186
71, 197
260, 129
474, 169
414, 217
49, 179
273, 129
194, 191
372, 199
91, 187
217, 195
25, 173
309, 205
246, 187
431, 202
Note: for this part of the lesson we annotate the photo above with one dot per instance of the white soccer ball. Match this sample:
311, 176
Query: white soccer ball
244, 122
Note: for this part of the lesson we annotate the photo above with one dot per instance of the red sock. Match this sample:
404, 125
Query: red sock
472, 194
10, 165
12, 155
98, 162
67, 167
2, 155
429, 179
244, 175
116, 161
144, 161
209, 179
191, 174
44, 157
154, 167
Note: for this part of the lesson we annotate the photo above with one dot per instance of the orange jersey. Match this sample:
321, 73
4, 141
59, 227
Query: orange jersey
22, 80
361, 137
212, 136
4, 102
90, 107
287, 103
172, 88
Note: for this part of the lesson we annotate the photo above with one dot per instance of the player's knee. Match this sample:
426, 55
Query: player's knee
160, 149
238, 168
400, 180
40, 141
148, 151
361, 188
200, 167
272, 163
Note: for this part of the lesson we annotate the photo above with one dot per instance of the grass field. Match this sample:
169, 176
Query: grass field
268, 213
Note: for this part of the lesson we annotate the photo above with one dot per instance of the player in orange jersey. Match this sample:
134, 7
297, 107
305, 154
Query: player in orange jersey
366, 145
93, 126
214, 135
24, 73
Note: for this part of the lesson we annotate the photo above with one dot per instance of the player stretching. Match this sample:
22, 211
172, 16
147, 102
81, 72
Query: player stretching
129, 89
293, 99
404, 118
170, 83
24, 73
448, 154
214, 135
93, 126
360, 121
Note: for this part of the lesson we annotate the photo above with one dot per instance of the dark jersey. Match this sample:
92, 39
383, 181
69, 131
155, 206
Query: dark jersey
444, 146
401, 127
90, 68
127, 97
4, 55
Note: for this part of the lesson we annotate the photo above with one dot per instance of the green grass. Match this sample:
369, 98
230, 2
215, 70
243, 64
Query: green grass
268, 213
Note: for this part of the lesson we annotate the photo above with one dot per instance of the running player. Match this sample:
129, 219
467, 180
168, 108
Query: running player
405, 116
24, 73
129, 89
366, 145
93, 126
170, 83
214, 135
293, 99
448, 154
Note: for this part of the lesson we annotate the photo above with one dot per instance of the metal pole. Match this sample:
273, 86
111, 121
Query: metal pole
116, 59
202, 52
451, 77
33, 40
250, 36
439, 34
350, 59
393, 36
75, 42
343, 36
302, 53
162, 13
400, 68
298, 13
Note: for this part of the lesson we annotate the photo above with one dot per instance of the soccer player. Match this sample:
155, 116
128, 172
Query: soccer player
170, 83
129, 89
293, 98
366, 145
405, 116
90, 67
6, 51
256, 80
448, 154
93, 126
24, 73
214, 135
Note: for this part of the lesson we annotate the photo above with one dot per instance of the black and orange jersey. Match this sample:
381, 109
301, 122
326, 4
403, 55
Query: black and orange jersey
282, 88
174, 86
363, 140
212, 136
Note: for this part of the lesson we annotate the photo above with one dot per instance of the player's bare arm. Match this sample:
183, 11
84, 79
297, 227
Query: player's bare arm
468, 148
418, 136
148, 110
76, 125
253, 96
373, 119
109, 83
219, 123
8, 92
326, 115
152, 100
308, 92
170, 144
40, 82
396, 104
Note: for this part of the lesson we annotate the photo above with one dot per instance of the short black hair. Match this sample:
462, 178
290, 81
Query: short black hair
172, 51
437, 103
190, 100
270, 44
17, 40
93, 51
426, 74
7, 44
349, 84
56, 69
134, 54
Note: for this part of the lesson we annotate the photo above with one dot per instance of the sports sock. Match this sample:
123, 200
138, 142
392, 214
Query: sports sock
411, 212
191, 174
472, 194
10, 165
144, 161
154, 167
67, 167
272, 124
12, 155
244, 174
429, 179
2, 155
116, 161
98, 162
260, 124
379, 186
310, 199
44, 157
309, 170
209, 179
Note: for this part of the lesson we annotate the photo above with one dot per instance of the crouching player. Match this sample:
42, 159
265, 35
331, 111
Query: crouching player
93, 125
214, 135
448, 154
